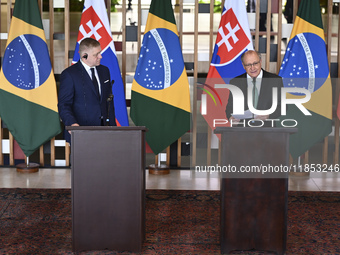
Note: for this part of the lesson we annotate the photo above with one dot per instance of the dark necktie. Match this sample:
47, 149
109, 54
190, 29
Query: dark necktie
95, 82
255, 93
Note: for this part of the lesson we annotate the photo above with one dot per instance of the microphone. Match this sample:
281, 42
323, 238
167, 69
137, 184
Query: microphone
109, 100
110, 97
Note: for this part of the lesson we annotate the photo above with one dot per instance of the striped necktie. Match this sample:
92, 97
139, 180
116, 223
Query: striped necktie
255, 93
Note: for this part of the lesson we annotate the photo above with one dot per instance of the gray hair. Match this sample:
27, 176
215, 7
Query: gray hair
250, 52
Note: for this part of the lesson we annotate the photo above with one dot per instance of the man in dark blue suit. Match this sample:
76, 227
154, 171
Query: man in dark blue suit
85, 91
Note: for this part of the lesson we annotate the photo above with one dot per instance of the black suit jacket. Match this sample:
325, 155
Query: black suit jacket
78, 101
269, 81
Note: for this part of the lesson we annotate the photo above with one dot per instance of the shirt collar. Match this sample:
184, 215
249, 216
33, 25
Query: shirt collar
87, 67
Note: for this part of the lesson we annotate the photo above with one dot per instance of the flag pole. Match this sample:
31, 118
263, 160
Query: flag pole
27, 167
299, 170
158, 168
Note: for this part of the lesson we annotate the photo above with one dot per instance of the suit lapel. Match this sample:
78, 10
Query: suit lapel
87, 79
244, 89
264, 93
100, 75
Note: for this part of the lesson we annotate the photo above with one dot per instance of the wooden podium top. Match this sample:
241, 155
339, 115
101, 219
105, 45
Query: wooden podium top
112, 128
220, 130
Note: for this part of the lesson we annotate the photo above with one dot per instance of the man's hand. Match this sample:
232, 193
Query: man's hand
261, 117
73, 125
234, 120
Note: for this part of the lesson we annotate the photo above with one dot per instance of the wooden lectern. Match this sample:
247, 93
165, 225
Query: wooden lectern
108, 188
254, 202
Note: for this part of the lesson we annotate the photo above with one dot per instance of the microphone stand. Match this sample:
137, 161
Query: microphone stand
109, 100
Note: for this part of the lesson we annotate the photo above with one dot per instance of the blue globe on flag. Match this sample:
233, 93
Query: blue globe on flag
160, 63
302, 65
26, 69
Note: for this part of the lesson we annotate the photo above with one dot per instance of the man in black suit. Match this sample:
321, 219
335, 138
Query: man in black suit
84, 90
262, 91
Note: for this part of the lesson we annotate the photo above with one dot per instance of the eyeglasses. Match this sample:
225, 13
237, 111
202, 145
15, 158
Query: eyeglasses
253, 64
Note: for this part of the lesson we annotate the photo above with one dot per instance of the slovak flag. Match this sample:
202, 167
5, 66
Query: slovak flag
233, 39
95, 23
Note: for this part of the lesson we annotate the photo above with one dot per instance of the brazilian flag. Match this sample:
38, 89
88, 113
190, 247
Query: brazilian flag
160, 98
305, 65
28, 95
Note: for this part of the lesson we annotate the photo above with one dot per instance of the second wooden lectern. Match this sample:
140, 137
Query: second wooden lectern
108, 188
254, 192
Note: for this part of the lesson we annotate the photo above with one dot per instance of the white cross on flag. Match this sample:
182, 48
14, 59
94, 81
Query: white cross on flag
225, 37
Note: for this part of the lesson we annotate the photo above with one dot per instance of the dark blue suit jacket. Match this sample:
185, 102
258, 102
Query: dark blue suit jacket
78, 101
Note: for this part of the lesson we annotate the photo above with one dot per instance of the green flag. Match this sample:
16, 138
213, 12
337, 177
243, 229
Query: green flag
28, 95
160, 98
305, 65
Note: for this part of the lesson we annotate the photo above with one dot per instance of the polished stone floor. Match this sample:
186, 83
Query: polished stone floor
55, 178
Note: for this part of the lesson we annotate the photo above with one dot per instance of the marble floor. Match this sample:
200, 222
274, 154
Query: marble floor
55, 178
